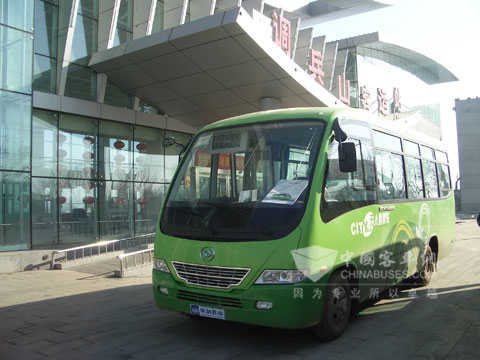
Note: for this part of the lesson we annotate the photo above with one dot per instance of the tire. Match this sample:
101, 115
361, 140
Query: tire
336, 308
425, 275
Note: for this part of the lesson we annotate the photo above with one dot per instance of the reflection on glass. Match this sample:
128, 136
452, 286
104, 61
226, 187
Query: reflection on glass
76, 142
78, 199
122, 36
116, 97
115, 160
149, 155
16, 65
88, 8
414, 178
444, 179
44, 143
158, 19
85, 39
390, 175
116, 209
81, 83
46, 28
15, 211
430, 178
17, 14
15, 125
44, 211
45, 74
148, 201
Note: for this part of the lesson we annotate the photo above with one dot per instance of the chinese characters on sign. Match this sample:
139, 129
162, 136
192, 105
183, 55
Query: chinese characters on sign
344, 89
365, 98
397, 106
281, 27
382, 101
316, 65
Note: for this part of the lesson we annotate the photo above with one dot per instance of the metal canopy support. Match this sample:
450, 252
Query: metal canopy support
329, 59
151, 17
304, 43
340, 67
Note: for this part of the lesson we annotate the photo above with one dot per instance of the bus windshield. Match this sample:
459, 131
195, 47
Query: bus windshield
244, 183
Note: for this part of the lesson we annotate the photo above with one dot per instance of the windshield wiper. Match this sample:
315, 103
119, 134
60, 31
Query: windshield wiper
242, 215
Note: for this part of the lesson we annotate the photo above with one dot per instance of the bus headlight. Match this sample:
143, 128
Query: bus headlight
282, 277
160, 265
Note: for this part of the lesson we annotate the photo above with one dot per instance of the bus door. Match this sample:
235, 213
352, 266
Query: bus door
349, 209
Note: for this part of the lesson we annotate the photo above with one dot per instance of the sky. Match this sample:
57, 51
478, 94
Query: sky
447, 31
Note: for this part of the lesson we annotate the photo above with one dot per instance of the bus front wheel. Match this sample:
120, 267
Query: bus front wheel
336, 308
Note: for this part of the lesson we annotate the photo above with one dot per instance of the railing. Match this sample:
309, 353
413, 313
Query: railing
137, 258
62, 257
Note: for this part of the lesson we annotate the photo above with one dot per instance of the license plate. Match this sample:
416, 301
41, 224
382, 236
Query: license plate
207, 312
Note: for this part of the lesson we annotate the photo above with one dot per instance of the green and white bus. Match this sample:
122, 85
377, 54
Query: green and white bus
290, 218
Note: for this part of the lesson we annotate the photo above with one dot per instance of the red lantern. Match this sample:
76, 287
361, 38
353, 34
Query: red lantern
142, 201
88, 140
62, 153
119, 158
119, 144
62, 138
142, 147
62, 200
87, 200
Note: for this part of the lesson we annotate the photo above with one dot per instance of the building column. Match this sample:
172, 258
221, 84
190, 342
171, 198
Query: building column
270, 103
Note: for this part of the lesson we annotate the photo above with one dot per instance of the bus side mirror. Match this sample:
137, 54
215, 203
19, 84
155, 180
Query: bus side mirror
169, 141
347, 157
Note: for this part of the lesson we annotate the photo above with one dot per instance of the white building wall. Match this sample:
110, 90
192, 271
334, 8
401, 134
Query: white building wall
468, 131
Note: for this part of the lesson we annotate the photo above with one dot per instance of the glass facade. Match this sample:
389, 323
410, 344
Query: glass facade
81, 80
46, 46
16, 71
124, 30
375, 74
94, 179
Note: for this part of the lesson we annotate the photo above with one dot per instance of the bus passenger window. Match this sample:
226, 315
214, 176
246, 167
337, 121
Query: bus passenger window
390, 175
444, 175
414, 178
347, 191
430, 178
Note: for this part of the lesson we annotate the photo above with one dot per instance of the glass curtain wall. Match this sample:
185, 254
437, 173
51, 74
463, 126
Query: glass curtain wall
46, 46
81, 80
16, 63
95, 179
124, 30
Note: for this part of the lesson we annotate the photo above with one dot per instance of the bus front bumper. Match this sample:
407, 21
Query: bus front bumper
293, 306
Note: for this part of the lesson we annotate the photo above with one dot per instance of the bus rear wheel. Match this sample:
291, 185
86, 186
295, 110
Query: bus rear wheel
336, 308
425, 275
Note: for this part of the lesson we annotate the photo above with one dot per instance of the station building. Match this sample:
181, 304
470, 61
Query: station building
90, 88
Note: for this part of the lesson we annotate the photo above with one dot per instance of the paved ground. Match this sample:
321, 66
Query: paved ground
79, 315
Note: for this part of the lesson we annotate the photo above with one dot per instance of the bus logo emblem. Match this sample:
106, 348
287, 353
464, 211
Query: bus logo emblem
207, 253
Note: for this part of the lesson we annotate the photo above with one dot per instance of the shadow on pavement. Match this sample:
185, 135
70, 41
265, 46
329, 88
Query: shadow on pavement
124, 323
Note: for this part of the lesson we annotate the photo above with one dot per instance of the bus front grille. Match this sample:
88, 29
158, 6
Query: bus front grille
210, 276
209, 299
